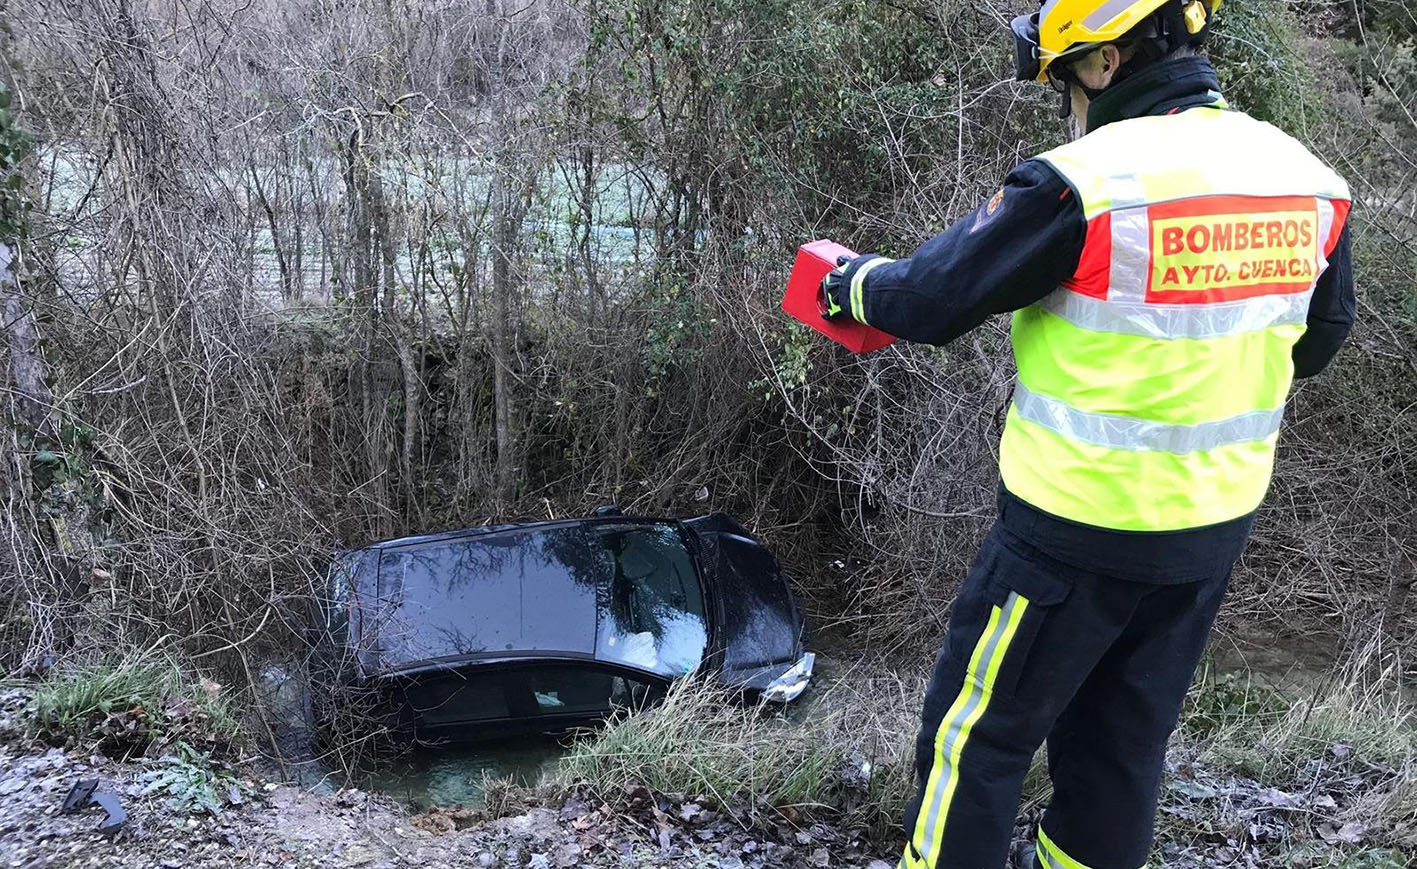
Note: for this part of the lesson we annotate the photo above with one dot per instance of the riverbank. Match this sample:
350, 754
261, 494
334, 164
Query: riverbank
251, 819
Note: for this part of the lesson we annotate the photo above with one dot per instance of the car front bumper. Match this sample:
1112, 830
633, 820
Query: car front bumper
792, 682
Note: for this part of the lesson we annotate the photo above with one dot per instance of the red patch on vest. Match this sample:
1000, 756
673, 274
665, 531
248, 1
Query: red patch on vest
1094, 269
1223, 248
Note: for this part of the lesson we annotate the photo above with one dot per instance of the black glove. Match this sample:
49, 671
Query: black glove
836, 287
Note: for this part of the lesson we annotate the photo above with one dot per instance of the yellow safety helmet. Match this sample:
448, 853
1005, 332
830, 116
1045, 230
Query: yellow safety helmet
1067, 27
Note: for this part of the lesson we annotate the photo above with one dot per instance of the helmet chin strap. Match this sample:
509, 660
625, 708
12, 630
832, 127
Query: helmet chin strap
1065, 102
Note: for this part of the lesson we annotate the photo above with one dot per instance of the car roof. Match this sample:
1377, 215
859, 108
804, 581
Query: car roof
497, 592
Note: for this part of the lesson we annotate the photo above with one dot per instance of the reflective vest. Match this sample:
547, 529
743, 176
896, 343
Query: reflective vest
1152, 382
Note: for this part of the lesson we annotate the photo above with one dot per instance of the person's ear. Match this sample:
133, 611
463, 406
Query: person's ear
1110, 60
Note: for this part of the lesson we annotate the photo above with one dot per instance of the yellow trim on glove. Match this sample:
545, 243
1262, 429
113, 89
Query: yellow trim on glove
858, 288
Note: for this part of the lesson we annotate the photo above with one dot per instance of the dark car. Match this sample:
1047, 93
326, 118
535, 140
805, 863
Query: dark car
547, 626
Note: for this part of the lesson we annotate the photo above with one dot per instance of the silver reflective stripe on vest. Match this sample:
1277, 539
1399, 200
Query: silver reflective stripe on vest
1215, 320
1325, 214
1131, 255
1128, 433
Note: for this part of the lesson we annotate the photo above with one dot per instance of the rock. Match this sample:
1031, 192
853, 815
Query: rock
1350, 833
689, 811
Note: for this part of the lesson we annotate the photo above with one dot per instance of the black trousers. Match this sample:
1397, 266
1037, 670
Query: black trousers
1097, 666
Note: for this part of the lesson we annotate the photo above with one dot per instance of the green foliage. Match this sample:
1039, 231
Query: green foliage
123, 705
192, 782
828, 110
701, 741
15, 144
679, 329
1220, 701
792, 365
1265, 67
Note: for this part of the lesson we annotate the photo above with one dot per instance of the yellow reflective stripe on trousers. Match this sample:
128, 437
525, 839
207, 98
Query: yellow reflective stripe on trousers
955, 727
858, 288
1052, 857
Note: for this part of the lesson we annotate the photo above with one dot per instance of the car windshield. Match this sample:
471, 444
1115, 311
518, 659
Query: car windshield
650, 609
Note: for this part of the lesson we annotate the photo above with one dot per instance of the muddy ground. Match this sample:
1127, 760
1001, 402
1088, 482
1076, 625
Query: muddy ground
283, 825
259, 822
249, 818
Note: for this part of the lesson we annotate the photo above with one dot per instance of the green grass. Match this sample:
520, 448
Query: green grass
841, 750
123, 704
1346, 748
699, 742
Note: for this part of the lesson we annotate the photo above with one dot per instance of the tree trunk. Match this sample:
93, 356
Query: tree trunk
36, 403
504, 237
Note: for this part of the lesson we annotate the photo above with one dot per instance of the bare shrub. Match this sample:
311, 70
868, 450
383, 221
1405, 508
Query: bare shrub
306, 277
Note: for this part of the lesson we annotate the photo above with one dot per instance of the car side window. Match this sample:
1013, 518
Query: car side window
456, 698
568, 690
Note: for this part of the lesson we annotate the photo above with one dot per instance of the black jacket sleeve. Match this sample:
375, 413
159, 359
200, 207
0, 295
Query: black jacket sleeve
1012, 251
1331, 312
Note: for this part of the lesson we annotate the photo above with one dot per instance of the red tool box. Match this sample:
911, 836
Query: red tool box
804, 302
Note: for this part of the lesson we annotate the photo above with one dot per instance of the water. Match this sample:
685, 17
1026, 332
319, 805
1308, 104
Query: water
444, 775
457, 775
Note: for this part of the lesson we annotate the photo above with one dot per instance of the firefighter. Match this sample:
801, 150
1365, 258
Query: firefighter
1171, 270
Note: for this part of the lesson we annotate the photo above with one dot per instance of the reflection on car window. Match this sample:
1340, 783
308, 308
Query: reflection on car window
336, 608
651, 608
521, 591
457, 698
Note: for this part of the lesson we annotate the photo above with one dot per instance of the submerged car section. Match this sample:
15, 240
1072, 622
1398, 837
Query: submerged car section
550, 625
